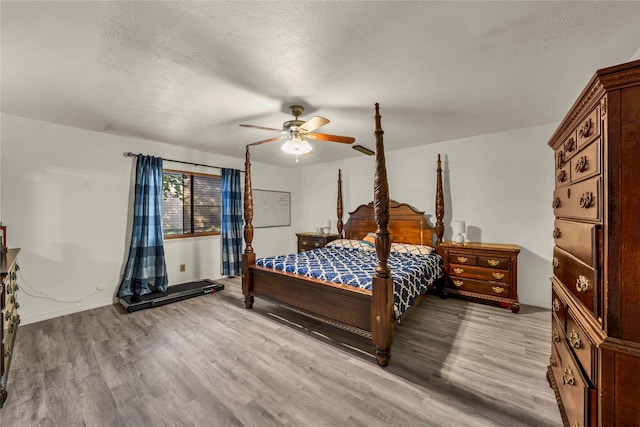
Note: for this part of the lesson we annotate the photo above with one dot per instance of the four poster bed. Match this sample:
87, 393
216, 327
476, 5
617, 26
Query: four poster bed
350, 300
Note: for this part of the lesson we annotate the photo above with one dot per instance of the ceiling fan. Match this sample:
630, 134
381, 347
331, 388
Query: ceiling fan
296, 132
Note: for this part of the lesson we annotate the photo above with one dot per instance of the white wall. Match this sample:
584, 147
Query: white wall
501, 184
66, 196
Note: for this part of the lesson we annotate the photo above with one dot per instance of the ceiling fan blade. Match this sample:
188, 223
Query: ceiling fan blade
313, 123
268, 140
331, 138
261, 127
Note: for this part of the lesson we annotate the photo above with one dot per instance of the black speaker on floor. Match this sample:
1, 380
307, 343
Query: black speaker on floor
174, 293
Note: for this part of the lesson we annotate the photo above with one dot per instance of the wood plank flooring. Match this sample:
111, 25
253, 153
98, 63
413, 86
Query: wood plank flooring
207, 361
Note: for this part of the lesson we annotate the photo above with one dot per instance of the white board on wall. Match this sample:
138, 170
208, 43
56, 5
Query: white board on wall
271, 208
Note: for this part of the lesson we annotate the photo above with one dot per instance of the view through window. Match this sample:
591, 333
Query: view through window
191, 204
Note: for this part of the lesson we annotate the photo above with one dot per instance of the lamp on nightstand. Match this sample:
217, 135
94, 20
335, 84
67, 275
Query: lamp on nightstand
458, 229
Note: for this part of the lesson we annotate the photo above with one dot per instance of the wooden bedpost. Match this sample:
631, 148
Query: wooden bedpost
339, 223
439, 205
248, 256
382, 287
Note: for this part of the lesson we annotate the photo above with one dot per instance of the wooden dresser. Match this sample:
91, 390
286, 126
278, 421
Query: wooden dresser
308, 241
487, 271
594, 366
10, 317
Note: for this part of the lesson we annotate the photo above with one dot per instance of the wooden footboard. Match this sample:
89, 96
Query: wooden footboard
340, 305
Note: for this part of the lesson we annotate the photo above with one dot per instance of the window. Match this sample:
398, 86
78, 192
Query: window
191, 204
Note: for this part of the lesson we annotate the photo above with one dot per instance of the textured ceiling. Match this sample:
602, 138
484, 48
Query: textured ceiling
188, 73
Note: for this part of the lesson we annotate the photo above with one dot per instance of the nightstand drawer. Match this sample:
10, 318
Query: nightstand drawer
309, 241
494, 262
480, 273
462, 258
486, 288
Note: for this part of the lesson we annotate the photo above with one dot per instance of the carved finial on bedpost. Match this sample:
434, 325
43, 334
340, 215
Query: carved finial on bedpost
381, 203
439, 205
339, 222
248, 205
382, 286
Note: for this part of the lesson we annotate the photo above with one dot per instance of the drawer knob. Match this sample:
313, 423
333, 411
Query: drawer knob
463, 259
556, 305
556, 232
498, 275
570, 145
497, 289
585, 129
458, 270
556, 203
493, 262
552, 361
458, 283
586, 199
581, 164
556, 262
574, 339
555, 335
576, 424
567, 378
582, 284
560, 159
316, 244
305, 243
562, 176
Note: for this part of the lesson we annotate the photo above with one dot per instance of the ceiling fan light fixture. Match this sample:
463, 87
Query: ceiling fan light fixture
296, 145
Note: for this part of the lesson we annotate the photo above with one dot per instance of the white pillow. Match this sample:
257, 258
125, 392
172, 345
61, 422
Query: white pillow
405, 248
351, 244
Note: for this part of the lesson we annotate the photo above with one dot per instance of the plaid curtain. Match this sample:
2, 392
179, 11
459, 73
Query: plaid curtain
231, 222
146, 269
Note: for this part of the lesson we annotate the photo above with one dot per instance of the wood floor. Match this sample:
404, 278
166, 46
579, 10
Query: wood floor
208, 361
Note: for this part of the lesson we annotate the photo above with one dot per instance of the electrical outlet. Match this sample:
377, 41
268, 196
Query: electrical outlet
183, 267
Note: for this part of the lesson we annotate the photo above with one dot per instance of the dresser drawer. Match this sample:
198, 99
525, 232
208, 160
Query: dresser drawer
570, 146
579, 278
480, 273
582, 347
555, 361
589, 128
557, 331
581, 200
586, 163
563, 175
576, 394
559, 308
486, 288
462, 258
578, 238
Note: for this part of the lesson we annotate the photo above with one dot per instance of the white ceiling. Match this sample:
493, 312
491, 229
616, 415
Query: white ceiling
188, 73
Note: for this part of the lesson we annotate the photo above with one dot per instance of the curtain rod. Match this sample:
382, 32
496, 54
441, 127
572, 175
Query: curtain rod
130, 154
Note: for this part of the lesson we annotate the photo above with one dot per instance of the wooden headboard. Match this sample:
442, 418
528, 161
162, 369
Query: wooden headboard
406, 223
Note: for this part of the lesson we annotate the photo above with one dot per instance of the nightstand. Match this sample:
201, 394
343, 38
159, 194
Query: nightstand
487, 271
308, 241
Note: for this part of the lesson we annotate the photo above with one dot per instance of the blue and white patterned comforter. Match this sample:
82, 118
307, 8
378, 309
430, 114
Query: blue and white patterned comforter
412, 274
